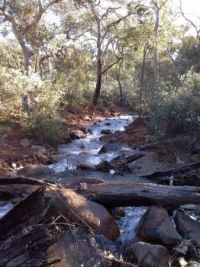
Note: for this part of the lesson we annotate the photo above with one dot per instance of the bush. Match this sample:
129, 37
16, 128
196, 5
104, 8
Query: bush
181, 106
43, 128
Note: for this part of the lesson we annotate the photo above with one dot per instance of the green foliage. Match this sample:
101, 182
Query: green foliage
182, 106
43, 128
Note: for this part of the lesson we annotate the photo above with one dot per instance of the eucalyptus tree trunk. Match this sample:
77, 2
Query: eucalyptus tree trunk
156, 54
118, 76
26, 48
98, 81
142, 78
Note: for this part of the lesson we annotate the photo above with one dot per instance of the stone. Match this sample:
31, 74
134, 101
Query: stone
109, 147
77, 134
155, 227
187, 227
37, 171
147, 255
86, 166
25, 142
106, 131
92, 214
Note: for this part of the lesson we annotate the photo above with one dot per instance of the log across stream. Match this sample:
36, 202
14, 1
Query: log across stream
45, 217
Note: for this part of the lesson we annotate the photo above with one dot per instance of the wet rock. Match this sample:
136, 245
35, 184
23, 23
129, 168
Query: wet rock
106, 131
187, 227
109, 147
114, 167
156, 227
77, 134
35, 171
147, 255
25, 142
107, 123
86, 166
118, 212
85, 130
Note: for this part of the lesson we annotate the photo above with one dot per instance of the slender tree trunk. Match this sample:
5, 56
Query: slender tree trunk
26, 49
118, 74
99, 68
156, 54
97, 87
142, 78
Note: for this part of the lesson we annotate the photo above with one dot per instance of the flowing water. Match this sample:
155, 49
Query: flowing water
86, 151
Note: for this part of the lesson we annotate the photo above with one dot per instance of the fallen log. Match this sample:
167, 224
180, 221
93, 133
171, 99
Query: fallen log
138, 194
180, 170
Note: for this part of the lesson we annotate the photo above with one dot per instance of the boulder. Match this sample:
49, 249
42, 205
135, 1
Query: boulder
86, 166
77, 134
85, 130
93, 215
106, 131
147, 255
109, 147
187, 227
156, 227
35, 171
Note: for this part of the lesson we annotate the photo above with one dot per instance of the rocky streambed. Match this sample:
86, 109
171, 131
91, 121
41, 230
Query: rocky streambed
75, 219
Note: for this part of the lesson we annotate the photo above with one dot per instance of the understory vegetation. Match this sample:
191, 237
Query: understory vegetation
122, 54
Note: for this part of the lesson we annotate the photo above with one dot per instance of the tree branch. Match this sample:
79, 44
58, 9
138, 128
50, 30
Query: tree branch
111, 65
188, 20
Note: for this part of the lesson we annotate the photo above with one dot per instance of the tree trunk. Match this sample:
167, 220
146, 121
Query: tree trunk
142, 78
118, 72
133, 194
98, 85
26, 49
156, 54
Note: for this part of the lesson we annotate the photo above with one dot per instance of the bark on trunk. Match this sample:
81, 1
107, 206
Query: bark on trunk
142, 79
133, 194
26, 49
118, 72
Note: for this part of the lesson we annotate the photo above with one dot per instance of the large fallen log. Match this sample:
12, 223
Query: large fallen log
138, 194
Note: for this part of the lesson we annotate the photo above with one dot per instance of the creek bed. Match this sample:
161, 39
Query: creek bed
85, 151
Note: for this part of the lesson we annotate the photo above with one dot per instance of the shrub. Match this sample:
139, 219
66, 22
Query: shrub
181, 106
43, 128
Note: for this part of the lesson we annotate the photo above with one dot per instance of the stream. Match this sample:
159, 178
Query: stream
86, 151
